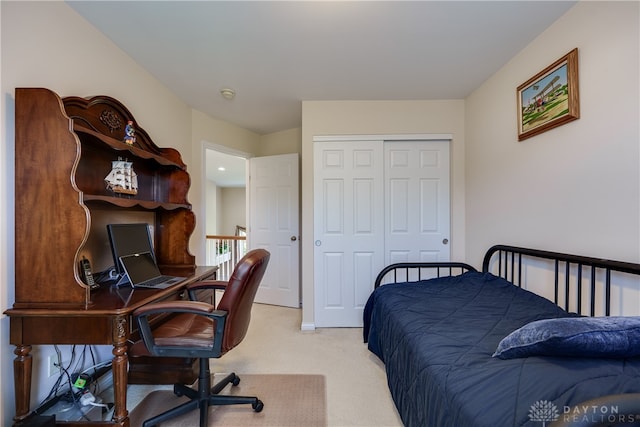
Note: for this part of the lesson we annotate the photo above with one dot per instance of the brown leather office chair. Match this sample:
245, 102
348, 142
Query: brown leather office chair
203, 331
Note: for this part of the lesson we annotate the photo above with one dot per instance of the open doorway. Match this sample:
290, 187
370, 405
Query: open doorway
225, 212
269, 206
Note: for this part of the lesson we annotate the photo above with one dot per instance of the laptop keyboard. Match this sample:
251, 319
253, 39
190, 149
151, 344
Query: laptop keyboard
158, 281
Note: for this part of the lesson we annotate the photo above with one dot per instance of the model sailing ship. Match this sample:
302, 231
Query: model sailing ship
122, 179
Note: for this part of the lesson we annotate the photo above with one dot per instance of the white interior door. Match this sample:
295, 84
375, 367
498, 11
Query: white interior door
274, 226
348, 229
417, 207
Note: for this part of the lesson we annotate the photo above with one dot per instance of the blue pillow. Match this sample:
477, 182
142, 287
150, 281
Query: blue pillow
615, 337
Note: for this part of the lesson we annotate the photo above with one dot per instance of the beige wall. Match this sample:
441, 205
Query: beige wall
233, 210
47, 44
574, 188
284, 142
69, 56
370, 118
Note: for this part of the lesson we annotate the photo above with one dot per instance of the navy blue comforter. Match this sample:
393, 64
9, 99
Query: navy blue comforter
436, 339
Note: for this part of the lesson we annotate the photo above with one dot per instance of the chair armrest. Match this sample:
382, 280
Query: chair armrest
204, 285
208, 284
195, 307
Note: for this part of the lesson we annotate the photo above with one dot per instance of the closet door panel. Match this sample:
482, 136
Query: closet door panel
429, 205
348, 229
417, 217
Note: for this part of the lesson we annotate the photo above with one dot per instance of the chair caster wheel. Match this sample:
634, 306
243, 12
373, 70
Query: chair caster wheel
258, 406
236, 380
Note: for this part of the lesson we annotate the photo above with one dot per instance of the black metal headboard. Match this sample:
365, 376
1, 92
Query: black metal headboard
403, 271
578, 272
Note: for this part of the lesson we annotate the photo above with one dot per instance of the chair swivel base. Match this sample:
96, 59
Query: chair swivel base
204, 397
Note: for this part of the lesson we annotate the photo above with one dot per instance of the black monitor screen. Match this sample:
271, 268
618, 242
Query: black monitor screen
128, 239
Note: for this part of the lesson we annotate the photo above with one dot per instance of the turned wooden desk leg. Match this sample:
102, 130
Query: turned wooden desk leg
119, 368
22, 366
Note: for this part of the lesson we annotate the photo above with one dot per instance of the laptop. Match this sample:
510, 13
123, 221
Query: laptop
143, 272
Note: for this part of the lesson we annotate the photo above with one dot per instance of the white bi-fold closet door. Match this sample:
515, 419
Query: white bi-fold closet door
377, 201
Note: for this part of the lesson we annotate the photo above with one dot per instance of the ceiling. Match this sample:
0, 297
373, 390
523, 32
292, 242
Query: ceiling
275, 54
233, 174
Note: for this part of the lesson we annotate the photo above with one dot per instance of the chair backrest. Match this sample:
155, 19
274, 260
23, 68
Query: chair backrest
239, 294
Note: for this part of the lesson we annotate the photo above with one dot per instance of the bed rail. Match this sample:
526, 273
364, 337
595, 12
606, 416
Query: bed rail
420, 271
570, 271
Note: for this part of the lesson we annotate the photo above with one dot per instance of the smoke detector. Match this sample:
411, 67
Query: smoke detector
227, 93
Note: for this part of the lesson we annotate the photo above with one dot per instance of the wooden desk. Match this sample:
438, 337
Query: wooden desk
65, 147
107, 320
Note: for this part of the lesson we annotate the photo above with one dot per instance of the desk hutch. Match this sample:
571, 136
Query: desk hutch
64, 150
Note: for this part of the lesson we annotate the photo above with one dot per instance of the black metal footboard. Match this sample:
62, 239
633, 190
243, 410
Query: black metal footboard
580, 283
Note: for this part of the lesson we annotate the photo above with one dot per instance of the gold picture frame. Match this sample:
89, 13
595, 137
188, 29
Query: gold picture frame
550, 98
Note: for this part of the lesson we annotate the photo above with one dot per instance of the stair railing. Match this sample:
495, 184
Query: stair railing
225, 252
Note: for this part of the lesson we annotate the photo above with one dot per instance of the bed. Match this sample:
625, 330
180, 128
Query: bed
475, 348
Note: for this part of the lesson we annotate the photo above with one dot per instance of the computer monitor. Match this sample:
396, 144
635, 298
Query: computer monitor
128, 239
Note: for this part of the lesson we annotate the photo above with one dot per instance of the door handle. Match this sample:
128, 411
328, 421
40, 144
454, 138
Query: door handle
294, 238
445, 241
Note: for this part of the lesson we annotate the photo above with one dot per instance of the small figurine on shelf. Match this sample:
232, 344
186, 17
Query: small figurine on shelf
129, 133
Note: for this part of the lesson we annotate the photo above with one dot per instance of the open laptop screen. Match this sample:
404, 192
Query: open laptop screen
142, 271
128, 239
140, 267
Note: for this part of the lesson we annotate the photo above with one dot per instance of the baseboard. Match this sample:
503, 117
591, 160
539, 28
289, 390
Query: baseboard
308, 326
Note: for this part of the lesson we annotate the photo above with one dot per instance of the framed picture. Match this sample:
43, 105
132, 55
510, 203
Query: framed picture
550, 98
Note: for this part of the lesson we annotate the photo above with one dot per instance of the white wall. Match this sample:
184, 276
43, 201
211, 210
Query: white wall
574, 188
370, 118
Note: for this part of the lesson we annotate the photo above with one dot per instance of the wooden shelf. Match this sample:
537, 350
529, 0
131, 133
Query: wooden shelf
124, 202
121, 146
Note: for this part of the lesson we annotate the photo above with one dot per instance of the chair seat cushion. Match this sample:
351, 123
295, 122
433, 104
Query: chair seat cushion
184, 330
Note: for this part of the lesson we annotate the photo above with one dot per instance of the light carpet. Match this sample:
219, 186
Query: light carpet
289, 400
